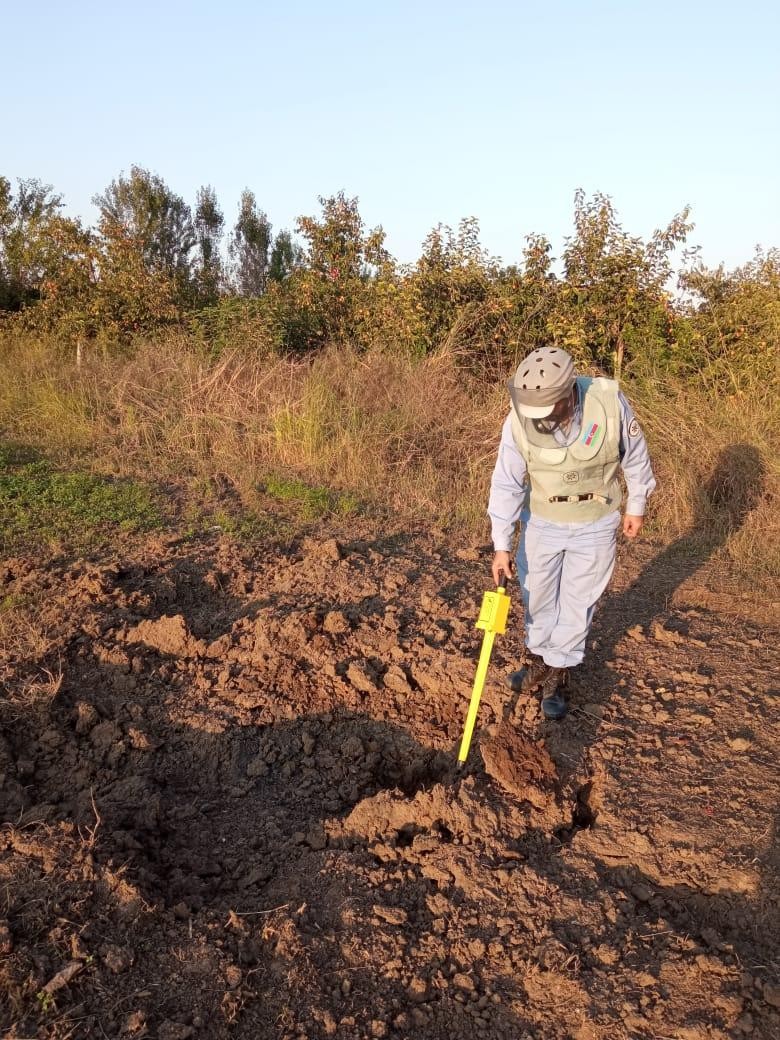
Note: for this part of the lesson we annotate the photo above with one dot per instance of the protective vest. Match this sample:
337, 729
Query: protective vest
581, 482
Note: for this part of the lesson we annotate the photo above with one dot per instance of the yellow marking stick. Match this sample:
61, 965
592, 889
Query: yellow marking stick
492, 620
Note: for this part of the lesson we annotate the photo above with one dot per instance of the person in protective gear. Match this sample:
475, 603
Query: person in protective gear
563, 446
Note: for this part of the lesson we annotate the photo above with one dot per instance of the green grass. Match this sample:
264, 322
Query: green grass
312, 503
41, 505
244, 525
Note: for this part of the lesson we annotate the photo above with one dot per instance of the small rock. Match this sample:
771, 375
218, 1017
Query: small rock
463, 982
424, 843
395, 679
168, 635
330, 550
642, 892
86, 716
117, 959
739, 744
696, 678
328, 1022
438, 904
378, 1028
360, 678
417, 990
700, 718
233, 976
138, 739
317, 838
105, 734
637, 633
391, 914
772, 994
335, 623
595, 709
353, 748
135, 1023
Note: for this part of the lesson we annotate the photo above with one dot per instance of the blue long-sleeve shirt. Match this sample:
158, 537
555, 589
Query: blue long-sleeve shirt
509, 489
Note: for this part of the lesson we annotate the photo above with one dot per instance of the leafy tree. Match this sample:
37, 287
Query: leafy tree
730, 329
339, 247
285, 257
24, 222
130, 298
249, 247
451, 281
343, 263
615, 284
157, 220
68, 261
209, 224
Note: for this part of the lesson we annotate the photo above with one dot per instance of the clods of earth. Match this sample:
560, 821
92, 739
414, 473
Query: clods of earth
230, 806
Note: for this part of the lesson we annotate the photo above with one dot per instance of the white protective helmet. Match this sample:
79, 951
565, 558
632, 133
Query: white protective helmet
542, 379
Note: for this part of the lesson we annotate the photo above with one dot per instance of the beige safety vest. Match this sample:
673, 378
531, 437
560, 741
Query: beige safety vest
590, 466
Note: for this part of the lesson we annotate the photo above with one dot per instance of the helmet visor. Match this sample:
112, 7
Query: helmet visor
528, 411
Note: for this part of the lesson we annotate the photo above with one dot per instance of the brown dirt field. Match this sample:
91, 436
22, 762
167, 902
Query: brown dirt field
229, 804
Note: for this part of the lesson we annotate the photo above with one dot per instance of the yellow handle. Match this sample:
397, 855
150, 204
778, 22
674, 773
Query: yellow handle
479, 683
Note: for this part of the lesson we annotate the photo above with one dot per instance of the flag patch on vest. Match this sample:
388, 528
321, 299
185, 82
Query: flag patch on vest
589, 435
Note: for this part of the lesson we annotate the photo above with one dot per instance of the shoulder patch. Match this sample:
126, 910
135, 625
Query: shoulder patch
633, 428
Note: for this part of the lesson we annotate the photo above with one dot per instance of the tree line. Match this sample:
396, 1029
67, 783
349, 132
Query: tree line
154, 262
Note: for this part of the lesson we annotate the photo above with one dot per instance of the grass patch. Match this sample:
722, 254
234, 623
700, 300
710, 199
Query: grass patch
244, 525
312, 503
41, 505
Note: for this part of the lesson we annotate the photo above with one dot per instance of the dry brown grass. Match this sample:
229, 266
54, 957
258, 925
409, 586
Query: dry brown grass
416, 436
717, 459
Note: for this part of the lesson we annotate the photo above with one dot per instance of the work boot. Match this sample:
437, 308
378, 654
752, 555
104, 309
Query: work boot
553, 696
528, 678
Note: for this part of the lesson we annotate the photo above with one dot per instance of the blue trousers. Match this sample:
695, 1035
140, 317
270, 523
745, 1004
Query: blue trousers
563, 570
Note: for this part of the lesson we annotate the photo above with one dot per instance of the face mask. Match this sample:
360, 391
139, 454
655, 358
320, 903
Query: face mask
561, 415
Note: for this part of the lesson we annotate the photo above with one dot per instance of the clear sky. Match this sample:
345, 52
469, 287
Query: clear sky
427, 111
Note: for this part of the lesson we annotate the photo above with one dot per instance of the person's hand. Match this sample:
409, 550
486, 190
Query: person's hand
502, 564
632, 525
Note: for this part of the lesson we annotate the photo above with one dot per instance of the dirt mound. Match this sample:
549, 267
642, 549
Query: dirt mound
522, 766
231, 806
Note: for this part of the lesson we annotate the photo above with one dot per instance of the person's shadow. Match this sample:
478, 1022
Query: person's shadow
722, 505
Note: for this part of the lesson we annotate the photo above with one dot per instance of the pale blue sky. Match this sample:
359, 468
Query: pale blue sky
428, 112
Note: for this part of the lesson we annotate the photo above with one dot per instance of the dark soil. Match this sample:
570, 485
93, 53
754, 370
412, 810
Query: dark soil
230, 806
